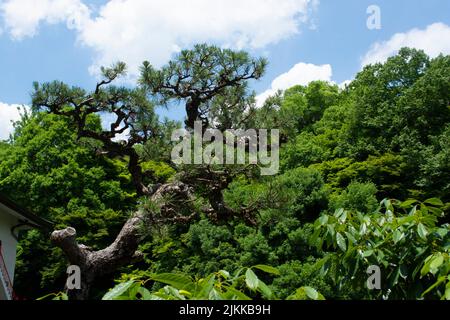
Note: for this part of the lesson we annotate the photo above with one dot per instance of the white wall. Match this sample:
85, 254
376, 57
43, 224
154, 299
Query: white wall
9, 244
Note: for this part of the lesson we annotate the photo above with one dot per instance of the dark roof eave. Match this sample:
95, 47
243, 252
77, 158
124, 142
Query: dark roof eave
31, 218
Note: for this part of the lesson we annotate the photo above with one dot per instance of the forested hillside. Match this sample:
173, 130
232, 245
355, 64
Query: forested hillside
364, 180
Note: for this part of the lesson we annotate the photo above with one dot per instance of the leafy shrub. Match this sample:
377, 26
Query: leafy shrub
357, 197
306, 190
405, 241
221, 285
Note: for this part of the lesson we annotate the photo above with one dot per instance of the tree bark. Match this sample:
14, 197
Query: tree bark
123, 250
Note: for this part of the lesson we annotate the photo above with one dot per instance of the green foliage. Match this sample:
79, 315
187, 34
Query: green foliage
305, 150
306, 293
404, 239
435, 168
303, 106
438, 265
50, 171
306, 190
159, 171
357, 196
388, 172
211, 80
205, 67
386, 136
295, 274
399, 104
221, 285
55, 296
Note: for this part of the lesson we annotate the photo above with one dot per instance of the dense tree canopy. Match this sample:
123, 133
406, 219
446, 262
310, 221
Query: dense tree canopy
60, 178
351, 161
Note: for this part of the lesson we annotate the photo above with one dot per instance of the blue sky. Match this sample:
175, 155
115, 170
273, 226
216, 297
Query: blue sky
304, 40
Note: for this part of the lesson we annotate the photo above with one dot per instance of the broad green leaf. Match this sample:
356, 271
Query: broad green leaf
185, 293
363, 229
161, 295
367, 220
118, 290
447, 293
437, 212
174, 292
206, 286
232, 294
331, 230
350, 237
413, 211
343, 217
299, 294
311, 293
305, 293
267, 269
321, 221
61, 296
265, 290
388, 205
434, 202
225, 274
352, 230
426, 266
442, 232
341, 242
157, 297
178, 281
405, 220
338, 212
367, 253
436, 262
314, 238
251, 279
408, 203
215, 295
145, 294
422, 231
397, 236
238, 273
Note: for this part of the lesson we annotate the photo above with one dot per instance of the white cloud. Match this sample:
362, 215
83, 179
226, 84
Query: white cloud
23, 17
435, 39
8, 113
344, 84
300, 74
138, 30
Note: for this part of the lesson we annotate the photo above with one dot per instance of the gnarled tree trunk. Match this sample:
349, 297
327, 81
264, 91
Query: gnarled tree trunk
123, 250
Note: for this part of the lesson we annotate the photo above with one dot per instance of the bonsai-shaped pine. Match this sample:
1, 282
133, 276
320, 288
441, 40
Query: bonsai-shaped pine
211, 82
